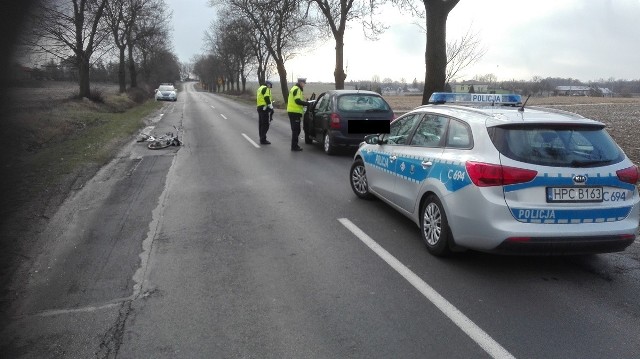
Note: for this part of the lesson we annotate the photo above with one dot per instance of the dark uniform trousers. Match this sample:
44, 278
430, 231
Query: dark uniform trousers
263, 123
295, 119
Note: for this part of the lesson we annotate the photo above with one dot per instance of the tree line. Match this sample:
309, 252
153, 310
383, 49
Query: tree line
76, 36
259, 36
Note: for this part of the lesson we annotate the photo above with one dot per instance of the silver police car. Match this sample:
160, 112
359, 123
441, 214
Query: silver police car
493, 175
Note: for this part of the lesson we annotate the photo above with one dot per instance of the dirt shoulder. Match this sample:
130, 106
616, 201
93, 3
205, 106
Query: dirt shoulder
57, 144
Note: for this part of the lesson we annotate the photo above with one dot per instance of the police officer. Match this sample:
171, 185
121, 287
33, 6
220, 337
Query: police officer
265, 107
295, 110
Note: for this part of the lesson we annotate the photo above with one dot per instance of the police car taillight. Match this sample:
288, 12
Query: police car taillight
629, 175
487, 175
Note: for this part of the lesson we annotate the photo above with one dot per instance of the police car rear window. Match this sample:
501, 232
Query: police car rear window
557, 146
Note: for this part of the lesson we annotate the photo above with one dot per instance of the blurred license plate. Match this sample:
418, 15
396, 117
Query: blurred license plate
574, 194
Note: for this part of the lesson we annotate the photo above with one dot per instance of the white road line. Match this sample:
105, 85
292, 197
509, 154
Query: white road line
55, 312
478, 335
223, 116
213, 106
251, 141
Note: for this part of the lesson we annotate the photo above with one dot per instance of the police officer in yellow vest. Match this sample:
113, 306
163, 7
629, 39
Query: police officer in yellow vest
265, 107
295, 110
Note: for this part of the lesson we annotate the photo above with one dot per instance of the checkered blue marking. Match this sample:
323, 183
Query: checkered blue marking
572, 216
409, 168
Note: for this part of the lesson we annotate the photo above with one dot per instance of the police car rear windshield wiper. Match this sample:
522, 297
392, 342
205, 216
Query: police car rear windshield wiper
376, 110
576, 163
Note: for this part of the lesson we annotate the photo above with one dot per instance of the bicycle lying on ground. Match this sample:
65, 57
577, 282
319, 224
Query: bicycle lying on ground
164, 141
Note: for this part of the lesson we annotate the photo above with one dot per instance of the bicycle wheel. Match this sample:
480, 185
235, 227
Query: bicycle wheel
156, 145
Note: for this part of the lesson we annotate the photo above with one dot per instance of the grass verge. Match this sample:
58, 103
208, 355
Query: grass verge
50, 150
61, 141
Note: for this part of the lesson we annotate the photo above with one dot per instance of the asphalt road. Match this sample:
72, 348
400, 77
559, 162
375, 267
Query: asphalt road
223, 248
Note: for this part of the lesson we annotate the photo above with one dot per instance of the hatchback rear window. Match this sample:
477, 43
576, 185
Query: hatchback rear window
362, 103
557, 146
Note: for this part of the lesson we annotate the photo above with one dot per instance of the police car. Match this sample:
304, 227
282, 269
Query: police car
485, 172
166, 92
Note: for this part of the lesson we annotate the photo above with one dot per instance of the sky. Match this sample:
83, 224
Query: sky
587, 40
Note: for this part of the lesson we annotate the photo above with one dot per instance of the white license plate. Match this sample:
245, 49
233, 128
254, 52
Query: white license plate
574, 194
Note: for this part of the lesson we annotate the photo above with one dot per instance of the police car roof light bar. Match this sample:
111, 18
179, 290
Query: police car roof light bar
475, 98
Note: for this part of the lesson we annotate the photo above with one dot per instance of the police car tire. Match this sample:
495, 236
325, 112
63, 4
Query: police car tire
358, 166
432, 208
327, 147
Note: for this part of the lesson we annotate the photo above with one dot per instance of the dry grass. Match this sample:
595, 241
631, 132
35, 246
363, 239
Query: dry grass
55, 141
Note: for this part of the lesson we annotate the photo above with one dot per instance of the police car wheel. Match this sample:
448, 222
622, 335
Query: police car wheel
327, 146
434, 227
358, 180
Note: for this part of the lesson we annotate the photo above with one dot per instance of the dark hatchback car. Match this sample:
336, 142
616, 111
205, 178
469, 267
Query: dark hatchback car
341, 118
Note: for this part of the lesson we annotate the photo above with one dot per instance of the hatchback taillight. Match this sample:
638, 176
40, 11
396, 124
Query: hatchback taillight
334, 121
487, 175
629, 175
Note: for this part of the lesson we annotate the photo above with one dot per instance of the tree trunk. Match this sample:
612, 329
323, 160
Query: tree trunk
133, 74
282, 73
122, 79
436, 49
339, 73
261, 74
83, 76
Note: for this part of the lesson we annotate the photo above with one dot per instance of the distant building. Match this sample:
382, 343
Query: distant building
605, 92
573, 90
583, 91
465, 87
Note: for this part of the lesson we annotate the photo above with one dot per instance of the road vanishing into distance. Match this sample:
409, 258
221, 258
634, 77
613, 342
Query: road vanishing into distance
224, 248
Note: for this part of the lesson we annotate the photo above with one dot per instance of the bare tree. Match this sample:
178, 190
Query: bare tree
261, 55
148, 38
281, 23
230, 38
186, 69
64, 27
435, 55
165, 67
436, 51
463, 53
121, 16
207, 69
336, 14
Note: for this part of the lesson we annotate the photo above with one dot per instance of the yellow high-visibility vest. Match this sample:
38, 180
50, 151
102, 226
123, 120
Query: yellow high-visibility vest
292, 106
260, 96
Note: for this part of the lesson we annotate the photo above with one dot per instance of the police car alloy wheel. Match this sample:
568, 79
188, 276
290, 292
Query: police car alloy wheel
358, 180
434, 227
